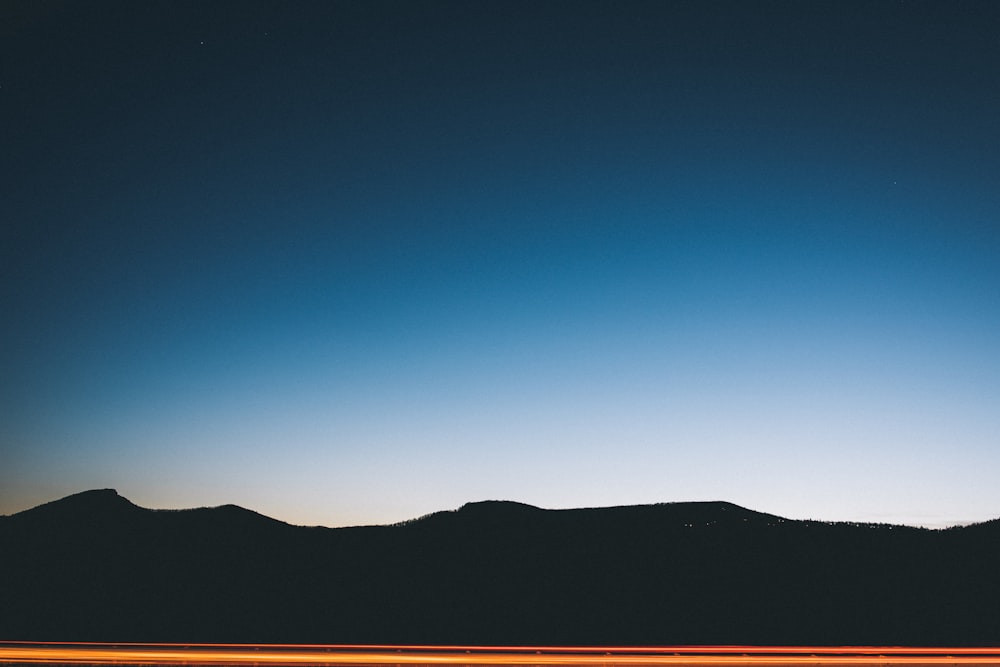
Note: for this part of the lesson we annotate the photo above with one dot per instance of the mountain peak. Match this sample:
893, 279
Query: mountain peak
496, 506
83, 506
95, 495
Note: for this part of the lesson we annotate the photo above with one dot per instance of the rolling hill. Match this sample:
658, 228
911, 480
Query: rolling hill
96, 567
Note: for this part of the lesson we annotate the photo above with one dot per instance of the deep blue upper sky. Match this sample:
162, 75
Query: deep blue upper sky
354, 262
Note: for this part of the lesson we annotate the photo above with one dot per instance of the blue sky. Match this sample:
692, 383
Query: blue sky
355, 262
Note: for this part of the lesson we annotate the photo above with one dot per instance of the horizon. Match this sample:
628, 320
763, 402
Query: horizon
500, 501
353, 262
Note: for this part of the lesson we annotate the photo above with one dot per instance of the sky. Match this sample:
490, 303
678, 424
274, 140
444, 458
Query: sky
354, 262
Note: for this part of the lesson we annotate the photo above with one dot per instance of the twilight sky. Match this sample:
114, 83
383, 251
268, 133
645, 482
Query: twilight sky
353, 262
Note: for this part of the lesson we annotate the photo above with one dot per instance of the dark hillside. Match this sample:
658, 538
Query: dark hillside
96, 567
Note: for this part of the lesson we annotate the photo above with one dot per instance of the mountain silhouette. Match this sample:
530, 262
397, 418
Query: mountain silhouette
96, 567
88, 504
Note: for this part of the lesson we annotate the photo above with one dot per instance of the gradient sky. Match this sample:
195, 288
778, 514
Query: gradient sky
355, 262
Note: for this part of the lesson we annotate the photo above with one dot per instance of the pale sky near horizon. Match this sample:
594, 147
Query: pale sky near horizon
354, 262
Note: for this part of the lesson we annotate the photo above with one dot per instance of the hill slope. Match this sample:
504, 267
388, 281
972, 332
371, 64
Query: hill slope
96, 567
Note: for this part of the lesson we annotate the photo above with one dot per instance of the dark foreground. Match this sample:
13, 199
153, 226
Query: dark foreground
329, 655
95, 567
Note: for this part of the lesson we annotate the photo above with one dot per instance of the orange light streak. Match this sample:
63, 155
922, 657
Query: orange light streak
295, 655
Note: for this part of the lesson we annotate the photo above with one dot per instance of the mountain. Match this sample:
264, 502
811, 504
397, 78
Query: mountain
96, 567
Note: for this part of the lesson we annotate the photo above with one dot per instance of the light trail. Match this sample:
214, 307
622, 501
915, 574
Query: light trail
297, 655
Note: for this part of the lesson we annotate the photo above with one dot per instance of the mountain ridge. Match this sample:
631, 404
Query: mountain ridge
109, 500
96, 567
